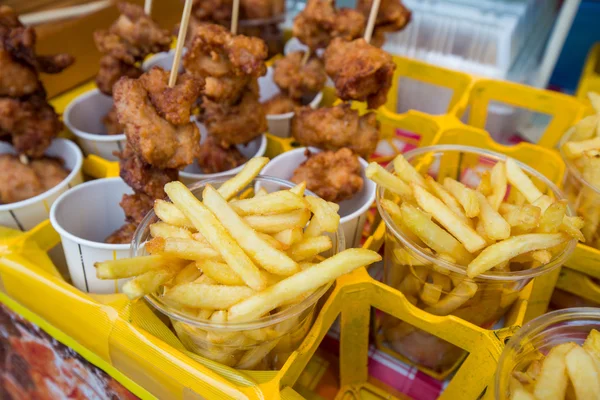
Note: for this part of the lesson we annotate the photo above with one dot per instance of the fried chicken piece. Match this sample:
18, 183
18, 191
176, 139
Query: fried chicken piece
214, 158
235, 124
111, 70
21, 182
393, 16
111, 122
280, 104
136, 206
298, 80
9, 18
217, 11
320, 22
333, 176
123, 235
155, 139
216, 52
16, 80
143, 177
173, 104
336, 127
139, 30
360, 71
261, 9
116, 47
31, 123
228, 89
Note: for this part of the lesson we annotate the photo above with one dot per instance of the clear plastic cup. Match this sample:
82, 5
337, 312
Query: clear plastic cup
263, 344
409, 266
540, 335
583, 197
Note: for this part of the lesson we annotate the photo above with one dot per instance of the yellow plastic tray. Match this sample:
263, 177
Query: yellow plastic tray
590, 76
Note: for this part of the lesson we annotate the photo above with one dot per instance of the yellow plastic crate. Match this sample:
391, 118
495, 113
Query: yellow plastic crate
590, 76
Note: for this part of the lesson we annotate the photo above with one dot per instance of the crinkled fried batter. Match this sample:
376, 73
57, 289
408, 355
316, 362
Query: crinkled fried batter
139, 30
214, 158
228, 89
335, 127
136, 206
216, 52
143, 177
280, 104
156, 140
261, 9
111, 122
16, 80
31, 123
299, 80
123, 235
235, 124
320, 22
393, 16
111, 70
333, 176
21, 182
360, 71
217, 11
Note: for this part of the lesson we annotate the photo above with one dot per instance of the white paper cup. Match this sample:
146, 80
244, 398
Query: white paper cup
193, 173
163, 60
83, 117
279, 124
84, 217
26, 214
353, 211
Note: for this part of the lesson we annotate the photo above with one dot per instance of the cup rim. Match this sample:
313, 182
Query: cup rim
97, 137
461, 269
363, 163
535, 327
76, 169
572, 169
259, 153
63, 232
233, 326
314, 103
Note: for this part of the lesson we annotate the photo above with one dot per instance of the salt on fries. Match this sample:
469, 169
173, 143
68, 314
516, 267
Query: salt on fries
568, 371
227, 259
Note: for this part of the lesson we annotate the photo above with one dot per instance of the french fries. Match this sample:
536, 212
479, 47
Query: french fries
231, 258
503, 223
379, 175
568, 371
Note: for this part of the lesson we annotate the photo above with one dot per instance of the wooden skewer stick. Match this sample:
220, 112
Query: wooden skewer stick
183, 27
235, 12
148, 7
44, 17
305, 57
371, 22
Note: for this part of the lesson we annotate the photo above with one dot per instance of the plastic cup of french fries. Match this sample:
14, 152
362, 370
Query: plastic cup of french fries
580, 150
466, 230
555, 356
83, 233
193, 173
280, 124
238, 271
84, 117
26, 214
353, 211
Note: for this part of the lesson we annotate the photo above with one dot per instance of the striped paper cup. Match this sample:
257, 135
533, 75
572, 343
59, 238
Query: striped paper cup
26, 214
84, 217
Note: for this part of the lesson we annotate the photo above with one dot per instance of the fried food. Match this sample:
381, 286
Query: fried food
111, 123
118, 48
297, 79
228, 89
335, 127
216, 11
333, 176
123, 235
360, 71
32, 124
393, 16
158, 141
21, 182
261, 9
16, 80
214, 158
216, 52
320, 22
139, 30
136, 206
235, 124
143, 177
280, 104
111, 70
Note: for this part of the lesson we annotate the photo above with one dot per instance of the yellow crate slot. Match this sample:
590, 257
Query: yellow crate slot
590, 76
564, 110
578, 284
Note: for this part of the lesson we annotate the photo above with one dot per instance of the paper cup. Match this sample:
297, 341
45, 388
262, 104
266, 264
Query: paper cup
353, 211
163, 60
193, 173
26, 214
294, 44
279, 124
83, 117
84, 217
